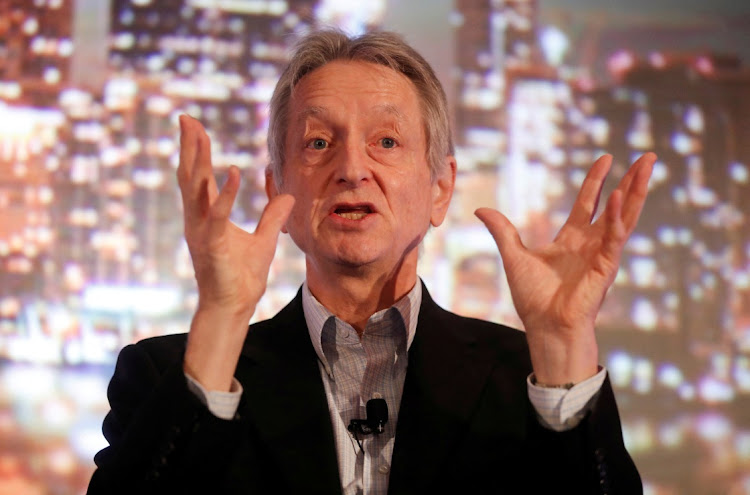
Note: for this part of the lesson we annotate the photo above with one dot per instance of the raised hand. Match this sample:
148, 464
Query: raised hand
558, 289
231, 265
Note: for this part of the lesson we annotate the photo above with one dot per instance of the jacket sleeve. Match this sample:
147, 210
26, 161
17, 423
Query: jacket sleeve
591, 457
161, 437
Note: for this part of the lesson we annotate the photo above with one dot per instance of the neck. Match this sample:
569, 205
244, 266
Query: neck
355, 294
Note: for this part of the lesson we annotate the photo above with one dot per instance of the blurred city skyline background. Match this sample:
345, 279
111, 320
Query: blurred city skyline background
91, 250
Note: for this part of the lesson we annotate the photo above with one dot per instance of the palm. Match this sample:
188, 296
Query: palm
231, 268
564, 281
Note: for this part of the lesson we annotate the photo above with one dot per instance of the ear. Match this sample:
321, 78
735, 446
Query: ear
442, 191
272, 191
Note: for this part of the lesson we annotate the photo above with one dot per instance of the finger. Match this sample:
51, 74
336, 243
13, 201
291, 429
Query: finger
635, 195
222, 207
202, 175
188, 147
195, 201
615, 233
219, 210
274, 216
502, 230
587, 200
627, 180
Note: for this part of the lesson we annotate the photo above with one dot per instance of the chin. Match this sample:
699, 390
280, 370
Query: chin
354, 255
355, 261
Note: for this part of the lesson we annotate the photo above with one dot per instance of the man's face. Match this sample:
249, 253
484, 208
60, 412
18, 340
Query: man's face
356, 162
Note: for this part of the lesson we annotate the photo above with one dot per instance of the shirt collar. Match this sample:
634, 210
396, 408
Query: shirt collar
316, 316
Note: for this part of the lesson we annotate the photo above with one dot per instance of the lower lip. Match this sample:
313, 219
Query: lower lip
346, 222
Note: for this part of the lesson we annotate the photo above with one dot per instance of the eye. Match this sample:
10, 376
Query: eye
387, 142
318, 144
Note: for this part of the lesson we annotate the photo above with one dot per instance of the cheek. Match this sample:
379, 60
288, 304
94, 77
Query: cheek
306, 213
416, 191
296, 217
414, 209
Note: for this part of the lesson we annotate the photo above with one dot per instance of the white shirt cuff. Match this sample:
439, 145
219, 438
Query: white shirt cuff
221, 404
562, 409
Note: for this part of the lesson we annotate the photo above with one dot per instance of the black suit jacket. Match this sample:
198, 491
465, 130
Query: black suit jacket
465, 423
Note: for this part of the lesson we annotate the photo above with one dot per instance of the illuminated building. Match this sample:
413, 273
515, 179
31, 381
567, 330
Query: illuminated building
690, 254
215, 61
511, 112
492, 37
35, 49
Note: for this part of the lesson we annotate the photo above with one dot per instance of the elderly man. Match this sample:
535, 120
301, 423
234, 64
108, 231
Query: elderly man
361, 165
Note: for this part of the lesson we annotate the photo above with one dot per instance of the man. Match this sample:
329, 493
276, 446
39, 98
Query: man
361, 165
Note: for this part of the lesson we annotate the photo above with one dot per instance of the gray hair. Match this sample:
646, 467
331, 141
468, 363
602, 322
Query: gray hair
382, 48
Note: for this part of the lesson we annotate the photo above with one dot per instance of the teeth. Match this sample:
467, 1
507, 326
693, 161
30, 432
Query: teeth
353, 215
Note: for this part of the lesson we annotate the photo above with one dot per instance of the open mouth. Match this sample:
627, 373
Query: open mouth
353, 212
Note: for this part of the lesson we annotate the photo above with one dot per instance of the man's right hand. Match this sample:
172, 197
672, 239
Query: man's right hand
231, 265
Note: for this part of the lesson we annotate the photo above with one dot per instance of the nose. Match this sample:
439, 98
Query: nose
353, 165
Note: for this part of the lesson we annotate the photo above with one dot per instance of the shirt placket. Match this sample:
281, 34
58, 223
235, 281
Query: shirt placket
364, 369
380, 347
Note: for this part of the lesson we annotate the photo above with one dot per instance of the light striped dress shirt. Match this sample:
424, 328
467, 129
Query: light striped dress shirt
354, 370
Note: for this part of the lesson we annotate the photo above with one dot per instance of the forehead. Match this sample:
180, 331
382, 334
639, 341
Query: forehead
356, 86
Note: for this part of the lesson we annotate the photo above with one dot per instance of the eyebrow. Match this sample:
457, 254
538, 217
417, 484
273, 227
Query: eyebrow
311, 112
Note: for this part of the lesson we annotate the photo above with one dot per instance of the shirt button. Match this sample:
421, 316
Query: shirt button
383, 469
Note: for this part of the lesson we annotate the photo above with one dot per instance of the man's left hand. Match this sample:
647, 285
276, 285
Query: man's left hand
558, 289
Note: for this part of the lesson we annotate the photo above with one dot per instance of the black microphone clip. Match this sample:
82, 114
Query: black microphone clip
377, 417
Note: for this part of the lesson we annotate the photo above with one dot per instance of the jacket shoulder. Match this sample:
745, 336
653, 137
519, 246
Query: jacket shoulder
503, 338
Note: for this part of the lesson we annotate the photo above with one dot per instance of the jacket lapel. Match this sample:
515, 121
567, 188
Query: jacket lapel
447, 372
285, 400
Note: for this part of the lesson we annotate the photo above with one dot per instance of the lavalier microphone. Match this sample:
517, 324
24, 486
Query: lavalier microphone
377, 417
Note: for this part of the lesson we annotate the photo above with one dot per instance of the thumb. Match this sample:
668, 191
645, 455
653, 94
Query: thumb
274, 216
502, 230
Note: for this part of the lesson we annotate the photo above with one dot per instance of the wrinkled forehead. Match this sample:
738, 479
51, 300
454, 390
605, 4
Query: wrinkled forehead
356, 86
379, 111
364, 68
